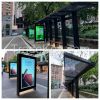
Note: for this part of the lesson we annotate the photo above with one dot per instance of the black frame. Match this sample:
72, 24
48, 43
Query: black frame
19, 56
48, 78
43, 31
12, 76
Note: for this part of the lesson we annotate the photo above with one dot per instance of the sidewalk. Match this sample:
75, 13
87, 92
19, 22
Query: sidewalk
55, 93
35, 45
38, 45
43, 45
9, 89
65, 94
60, 93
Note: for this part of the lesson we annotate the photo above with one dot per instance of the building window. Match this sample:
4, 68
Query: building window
7, 26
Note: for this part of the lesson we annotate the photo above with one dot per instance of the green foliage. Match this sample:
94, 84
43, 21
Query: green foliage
36, 10
14, 59
93, 71
89, 31
85, 13
92, 88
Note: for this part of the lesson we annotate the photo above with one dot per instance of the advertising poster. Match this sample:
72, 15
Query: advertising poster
13, 69
31, 33
27, 72
39, 33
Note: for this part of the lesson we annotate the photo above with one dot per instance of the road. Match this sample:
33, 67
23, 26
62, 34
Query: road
15, 42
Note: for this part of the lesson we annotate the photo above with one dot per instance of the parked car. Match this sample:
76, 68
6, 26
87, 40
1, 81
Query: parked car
14, 33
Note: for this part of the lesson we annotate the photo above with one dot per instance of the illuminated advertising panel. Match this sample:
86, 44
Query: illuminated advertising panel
31, 33
39, 33
26, 73
12, 69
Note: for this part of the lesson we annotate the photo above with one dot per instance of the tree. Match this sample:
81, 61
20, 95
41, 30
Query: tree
36, 10
14, 59
93, 71
84, 13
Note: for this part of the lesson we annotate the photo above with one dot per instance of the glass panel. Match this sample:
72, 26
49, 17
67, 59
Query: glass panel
73, 67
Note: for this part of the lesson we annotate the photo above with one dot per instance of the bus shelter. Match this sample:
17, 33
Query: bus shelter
74, 67
70, 11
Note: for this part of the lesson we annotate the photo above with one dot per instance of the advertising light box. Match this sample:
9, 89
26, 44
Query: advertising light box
31, 33
26, 73
39, 33
12, 69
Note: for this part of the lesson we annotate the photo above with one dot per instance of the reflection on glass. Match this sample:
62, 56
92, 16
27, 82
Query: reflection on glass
73, 67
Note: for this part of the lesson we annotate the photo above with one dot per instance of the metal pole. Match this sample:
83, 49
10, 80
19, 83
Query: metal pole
50, 30
77, 88
56, 32
75, 29
63, 32
46, 30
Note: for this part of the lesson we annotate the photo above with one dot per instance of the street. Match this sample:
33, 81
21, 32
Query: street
14, 42
9, 88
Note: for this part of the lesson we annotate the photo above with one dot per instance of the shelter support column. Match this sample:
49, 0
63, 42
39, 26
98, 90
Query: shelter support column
63, 32
72, 89
75, 29
76, 89
56, 32
50, 30
46, 30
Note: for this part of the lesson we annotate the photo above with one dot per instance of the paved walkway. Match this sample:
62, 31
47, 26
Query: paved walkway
62, 93
9, 89
35, 45
55, 93
65, 94
38, 45
43, 45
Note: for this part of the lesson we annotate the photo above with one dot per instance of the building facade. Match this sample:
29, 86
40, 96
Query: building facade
7, 18
56, 76
18, 17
